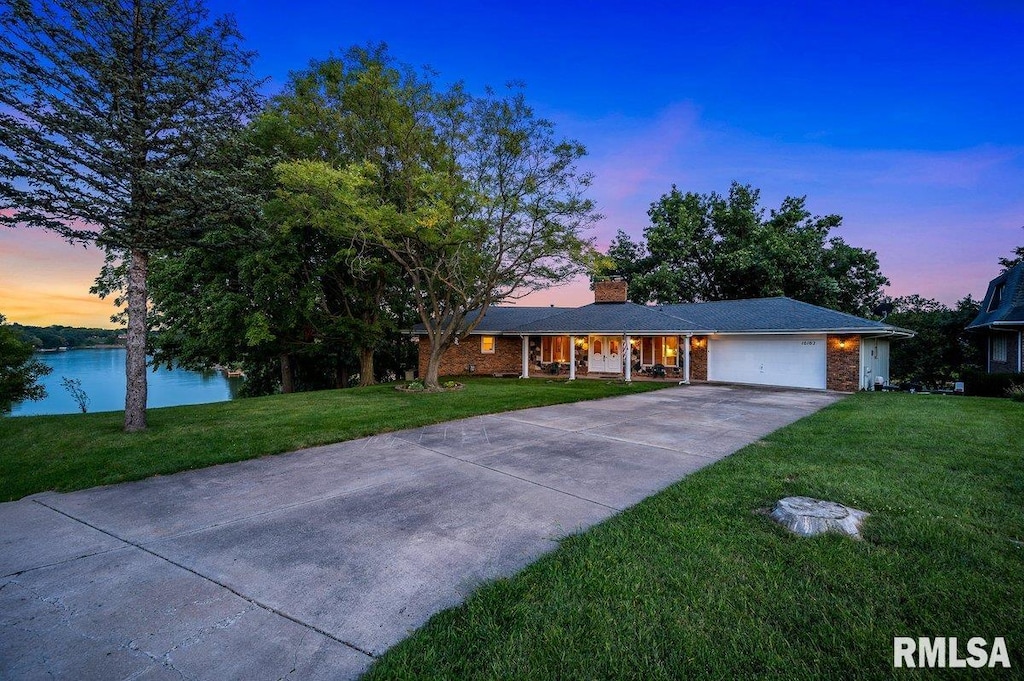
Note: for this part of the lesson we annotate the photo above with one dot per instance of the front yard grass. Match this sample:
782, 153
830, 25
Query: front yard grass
693, 583
75, 451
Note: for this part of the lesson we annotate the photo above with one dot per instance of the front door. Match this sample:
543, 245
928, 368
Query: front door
606, 354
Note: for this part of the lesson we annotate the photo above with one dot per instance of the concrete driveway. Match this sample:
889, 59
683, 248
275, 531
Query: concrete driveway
310, 564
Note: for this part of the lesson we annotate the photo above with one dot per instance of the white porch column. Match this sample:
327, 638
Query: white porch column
526, 357
572, 358
627, 353
686, 360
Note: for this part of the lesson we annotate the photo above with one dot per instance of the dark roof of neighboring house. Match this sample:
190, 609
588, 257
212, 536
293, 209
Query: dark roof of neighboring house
612, 318
768, 315
1009, 311
759, 315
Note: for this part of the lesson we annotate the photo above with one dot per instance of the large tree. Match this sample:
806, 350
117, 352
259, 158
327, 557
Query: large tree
19, 373
287, 285
341, 111
112, 114
474, 198
701, 247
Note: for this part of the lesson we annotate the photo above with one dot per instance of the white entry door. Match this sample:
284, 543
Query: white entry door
606, 354
797, 361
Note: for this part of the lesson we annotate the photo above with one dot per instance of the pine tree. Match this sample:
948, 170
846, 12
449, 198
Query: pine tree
112, 113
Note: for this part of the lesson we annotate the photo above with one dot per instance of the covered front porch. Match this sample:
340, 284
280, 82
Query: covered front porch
602, 354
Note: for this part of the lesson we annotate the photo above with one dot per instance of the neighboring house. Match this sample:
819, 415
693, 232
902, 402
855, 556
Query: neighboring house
1001, 321
766, 341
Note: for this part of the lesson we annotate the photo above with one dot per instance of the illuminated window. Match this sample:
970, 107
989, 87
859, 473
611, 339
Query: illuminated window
671, 351
487, 345
659, 350
998, 348
554, 349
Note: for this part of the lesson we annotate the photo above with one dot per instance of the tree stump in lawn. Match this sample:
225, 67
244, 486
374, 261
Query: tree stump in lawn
807, 517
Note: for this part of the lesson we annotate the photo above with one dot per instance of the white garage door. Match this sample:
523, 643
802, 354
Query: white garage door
792, 361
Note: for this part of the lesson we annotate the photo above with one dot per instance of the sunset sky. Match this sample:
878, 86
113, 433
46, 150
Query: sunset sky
904, 118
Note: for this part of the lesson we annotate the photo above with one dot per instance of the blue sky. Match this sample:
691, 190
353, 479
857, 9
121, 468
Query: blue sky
904, 118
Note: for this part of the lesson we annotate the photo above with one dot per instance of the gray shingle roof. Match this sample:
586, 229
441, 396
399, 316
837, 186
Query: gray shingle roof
612, 318
1010, 309
501, 319
772, 315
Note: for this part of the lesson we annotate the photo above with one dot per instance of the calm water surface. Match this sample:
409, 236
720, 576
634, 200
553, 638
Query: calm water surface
101, 371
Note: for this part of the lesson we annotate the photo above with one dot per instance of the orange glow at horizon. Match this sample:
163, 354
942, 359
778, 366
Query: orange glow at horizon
44, 280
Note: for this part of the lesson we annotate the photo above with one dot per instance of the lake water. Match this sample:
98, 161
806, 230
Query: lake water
101, 371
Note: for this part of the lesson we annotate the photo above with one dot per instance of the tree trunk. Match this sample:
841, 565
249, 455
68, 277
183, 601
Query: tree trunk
287, 374
366, 366
430, 381
340, 373
135, 356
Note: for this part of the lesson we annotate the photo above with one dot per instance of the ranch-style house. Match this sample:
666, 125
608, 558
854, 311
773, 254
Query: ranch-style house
765, 341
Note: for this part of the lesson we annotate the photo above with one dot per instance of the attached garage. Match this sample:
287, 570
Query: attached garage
797, 361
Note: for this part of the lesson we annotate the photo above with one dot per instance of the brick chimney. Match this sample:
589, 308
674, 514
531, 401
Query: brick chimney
610, 291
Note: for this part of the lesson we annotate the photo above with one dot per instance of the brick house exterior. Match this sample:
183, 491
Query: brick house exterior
468, 353
842, 363
699, 358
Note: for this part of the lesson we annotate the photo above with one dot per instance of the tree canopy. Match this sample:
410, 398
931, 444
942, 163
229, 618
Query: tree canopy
19, 373
474, 199
1016, 259
276, 285
111, 117
941, 350
701, 247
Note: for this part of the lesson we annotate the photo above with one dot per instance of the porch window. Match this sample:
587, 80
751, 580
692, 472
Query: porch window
554, 349
659, 350
487, 345
670, 351
999, 348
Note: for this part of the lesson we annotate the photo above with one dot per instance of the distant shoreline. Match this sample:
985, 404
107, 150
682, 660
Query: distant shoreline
47, 351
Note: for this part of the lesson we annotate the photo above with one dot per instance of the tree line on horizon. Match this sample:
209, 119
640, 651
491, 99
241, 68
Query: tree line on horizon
300, 235
60, 336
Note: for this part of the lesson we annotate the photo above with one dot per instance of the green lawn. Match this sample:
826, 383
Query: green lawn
694, 583
39, 453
